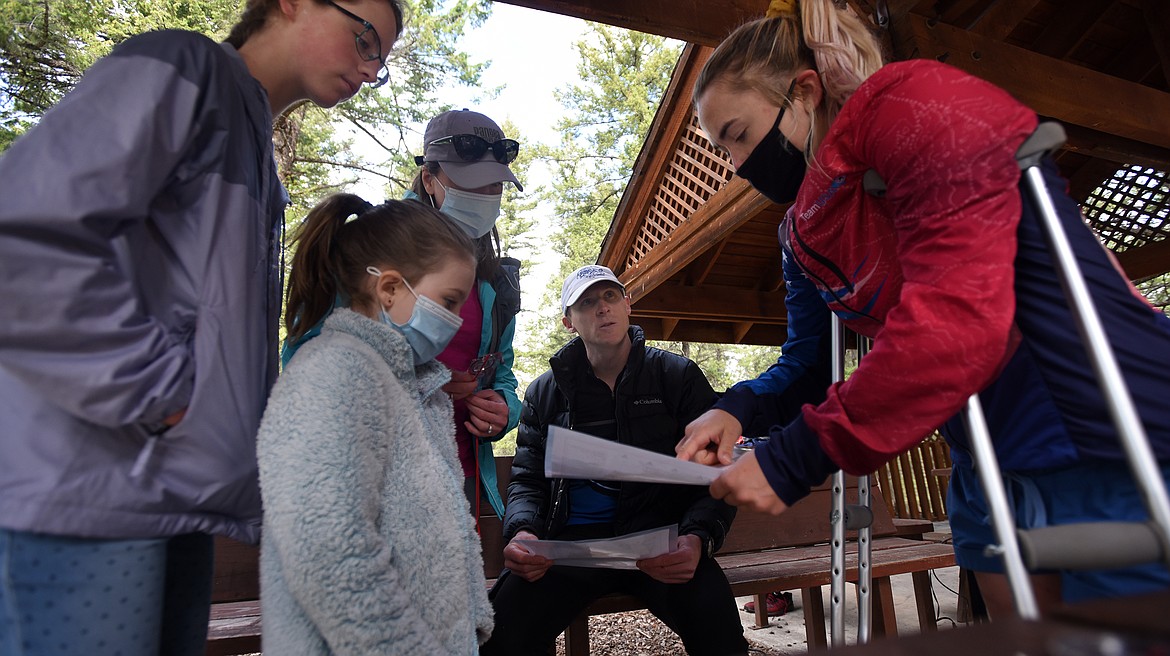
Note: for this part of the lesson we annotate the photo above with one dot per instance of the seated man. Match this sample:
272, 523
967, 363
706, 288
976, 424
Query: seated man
608, 383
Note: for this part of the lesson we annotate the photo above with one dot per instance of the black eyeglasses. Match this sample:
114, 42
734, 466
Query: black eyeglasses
369, 44
470, 147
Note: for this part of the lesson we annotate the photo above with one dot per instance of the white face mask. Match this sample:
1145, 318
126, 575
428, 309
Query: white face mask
475, 213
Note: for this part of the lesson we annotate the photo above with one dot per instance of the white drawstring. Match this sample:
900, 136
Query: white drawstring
143, 457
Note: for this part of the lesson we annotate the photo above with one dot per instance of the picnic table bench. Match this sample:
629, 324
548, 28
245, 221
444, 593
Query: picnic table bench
762, 553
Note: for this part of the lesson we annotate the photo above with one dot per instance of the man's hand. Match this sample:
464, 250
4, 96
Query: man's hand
708, 440
526, 565
743, 484
676, 566
488, 413
461, 386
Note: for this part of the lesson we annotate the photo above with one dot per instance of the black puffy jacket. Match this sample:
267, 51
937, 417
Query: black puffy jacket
657, 395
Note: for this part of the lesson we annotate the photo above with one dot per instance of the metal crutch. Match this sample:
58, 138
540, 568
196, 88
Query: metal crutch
852, 517
1085, 545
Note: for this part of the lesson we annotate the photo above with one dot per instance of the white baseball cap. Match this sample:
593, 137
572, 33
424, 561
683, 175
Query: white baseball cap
583, 279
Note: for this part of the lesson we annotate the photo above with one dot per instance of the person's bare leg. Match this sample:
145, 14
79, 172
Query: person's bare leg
997, 593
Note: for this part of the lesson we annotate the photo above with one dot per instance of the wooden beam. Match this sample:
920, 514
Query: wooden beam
650, 167
695, 21
961, 13
713, 303
1157, 15
1050, 86
668, 326
1089, 177
1074, 20
740, 330
711, 332
1145, 262
773, 279
733, 206
1119, 150
703, 265
1001, 18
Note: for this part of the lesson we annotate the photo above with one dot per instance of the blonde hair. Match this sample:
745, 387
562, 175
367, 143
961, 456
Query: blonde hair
766, 54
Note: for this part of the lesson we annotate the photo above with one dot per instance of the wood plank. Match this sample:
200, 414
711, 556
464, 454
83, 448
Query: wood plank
1110, 147
1050, 86
1089, 177
813, 603
236, 575
733, 206
923, 593
885, 621
1157, 18
668, 326
1062, 35
695, 21
670, 122
1152, 259
712, 332
1002, 17
234, 628
701, 268
712, 302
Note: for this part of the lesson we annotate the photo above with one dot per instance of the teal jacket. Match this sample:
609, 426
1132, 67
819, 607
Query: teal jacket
505, 384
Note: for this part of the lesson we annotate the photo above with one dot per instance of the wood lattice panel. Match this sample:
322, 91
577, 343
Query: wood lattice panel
1131, 208
695, 173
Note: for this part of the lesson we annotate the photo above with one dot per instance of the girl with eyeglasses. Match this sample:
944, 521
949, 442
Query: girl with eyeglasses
368, 547
949, 274
462, 172
140, 232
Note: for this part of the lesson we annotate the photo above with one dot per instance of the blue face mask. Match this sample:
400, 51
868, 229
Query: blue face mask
431, 326
475, 213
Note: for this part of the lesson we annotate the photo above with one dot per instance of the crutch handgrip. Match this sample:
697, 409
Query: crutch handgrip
1048, 138
857, 517
1094, 545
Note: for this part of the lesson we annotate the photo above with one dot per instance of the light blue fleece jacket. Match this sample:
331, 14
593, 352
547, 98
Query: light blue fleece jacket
368, 546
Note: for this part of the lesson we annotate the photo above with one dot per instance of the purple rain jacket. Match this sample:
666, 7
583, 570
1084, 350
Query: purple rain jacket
140, 275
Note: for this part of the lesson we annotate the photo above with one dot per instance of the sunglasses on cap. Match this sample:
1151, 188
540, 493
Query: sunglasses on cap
470, 147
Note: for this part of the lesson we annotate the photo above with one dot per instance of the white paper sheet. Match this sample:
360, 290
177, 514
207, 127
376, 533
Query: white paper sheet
611, 553
570, 454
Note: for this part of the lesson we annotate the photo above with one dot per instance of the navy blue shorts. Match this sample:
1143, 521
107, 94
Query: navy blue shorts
1087, 492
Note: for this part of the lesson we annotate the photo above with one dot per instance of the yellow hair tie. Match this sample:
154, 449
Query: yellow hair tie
780, 8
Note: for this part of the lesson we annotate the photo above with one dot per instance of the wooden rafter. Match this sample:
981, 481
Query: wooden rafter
695, 21
1157, 15
1002, 17
1147, 261
668, 125
1060, 38
1050, 86
707, 303
733, 206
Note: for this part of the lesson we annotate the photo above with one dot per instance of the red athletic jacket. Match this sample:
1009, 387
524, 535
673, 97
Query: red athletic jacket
927, 271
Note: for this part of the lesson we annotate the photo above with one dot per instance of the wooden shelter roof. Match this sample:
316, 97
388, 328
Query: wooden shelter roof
697, 247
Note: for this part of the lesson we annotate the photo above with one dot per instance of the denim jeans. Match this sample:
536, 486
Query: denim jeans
72, 596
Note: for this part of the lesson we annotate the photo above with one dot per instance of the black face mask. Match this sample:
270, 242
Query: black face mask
775, 168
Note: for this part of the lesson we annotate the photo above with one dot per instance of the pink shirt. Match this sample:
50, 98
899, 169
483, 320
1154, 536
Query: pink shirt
458, 356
